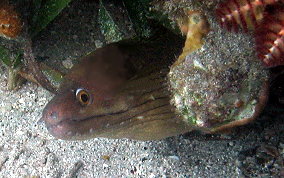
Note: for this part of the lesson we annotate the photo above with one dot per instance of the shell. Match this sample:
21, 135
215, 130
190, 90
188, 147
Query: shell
10, 22
270, 38
219, 94
246, 14
220, 85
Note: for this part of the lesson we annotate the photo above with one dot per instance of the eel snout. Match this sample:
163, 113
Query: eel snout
57, 120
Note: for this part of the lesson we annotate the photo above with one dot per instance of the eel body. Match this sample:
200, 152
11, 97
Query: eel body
118, 91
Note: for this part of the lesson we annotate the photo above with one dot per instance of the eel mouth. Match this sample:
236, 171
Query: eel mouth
102, 125
82, 128
72, 129
61, 130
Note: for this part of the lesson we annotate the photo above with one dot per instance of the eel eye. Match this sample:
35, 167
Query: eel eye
83, 97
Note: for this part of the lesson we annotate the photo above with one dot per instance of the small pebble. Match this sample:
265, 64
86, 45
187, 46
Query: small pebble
68, 64
98, 43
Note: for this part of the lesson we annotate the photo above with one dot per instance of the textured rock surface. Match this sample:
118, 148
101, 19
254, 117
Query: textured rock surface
211, 80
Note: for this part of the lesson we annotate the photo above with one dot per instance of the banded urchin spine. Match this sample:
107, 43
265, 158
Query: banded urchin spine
270, 38
246, 14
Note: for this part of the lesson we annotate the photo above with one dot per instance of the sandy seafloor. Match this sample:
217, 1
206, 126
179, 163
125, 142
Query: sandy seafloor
27, 149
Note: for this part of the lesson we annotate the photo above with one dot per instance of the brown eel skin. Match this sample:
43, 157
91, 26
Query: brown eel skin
118, 91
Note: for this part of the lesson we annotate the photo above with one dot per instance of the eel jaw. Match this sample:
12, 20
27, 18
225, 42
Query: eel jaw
56, 126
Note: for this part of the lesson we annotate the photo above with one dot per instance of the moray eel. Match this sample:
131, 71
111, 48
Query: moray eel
118, 91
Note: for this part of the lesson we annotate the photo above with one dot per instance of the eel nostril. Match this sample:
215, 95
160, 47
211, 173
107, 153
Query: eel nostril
54, 115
